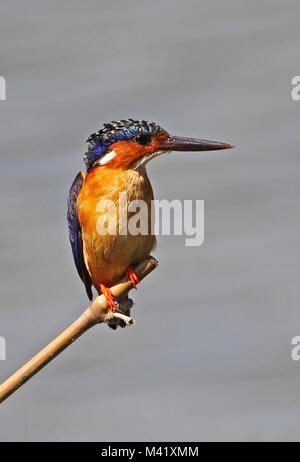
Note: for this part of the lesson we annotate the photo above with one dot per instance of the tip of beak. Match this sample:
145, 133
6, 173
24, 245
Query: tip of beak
218, 146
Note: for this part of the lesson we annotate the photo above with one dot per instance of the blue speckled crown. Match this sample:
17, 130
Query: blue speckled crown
121, 130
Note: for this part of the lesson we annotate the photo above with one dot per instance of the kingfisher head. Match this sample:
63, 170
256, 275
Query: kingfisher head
132, 143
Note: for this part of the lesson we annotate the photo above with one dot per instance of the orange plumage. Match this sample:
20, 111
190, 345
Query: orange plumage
108, 257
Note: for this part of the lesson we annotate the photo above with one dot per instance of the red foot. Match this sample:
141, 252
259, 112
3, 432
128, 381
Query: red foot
132, 276
109, 297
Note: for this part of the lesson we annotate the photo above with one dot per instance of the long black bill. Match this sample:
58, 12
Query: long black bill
179, 143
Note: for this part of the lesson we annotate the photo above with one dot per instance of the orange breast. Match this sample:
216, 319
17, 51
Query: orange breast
108, 257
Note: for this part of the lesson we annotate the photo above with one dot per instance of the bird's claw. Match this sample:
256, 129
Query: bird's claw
132, 276
113, 304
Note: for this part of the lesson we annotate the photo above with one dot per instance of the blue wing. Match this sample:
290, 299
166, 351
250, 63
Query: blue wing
75, 233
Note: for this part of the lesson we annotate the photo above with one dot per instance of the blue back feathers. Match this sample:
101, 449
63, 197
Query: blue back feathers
75, 233
122, 130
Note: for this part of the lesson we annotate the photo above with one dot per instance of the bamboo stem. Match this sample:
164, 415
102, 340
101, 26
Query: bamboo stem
97, 312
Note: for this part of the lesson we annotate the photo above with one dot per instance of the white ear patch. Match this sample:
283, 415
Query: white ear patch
109, 156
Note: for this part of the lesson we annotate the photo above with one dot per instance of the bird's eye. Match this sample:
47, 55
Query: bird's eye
142, 139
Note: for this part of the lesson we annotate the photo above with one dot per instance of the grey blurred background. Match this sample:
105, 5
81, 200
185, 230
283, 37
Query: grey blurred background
210, 355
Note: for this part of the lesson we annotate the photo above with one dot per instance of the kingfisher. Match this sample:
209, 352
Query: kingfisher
115, 162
